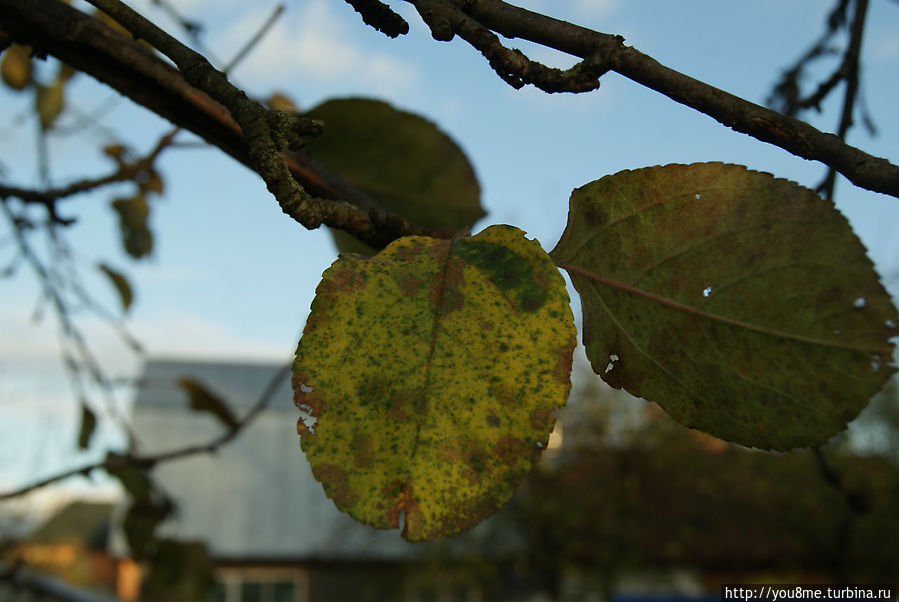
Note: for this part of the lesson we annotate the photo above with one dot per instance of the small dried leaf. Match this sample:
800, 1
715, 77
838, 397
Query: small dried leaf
280, 102
136, 235
203, 400
153, 182
49, 102
121, 284
88, 424
15, 66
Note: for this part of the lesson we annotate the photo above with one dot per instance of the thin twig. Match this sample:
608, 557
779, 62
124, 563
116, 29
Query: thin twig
151, 460
793, 135
851, 69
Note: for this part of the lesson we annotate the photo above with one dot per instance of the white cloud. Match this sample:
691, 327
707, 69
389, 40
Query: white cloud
315, 42
182, 333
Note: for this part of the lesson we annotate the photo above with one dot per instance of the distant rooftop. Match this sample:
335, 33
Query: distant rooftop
238, 383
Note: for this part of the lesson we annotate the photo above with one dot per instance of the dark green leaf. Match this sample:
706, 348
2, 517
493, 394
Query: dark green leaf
88, 424
136, 236
402, 160
742, 304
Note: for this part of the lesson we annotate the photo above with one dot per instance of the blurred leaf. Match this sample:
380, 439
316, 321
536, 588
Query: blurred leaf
179, 570
66, 72
203, 400
153, 182
141, 521
742, 304
117, 151
428, 376
280, 102
135, 480
402, 160
49, 102
136, 236
15, 66
120, 283
88, 424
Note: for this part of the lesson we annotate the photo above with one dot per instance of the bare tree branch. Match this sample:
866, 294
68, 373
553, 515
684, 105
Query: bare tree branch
793, 135
90, 46
117, 462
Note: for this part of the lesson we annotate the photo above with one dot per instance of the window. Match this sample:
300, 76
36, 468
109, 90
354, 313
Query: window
260, 585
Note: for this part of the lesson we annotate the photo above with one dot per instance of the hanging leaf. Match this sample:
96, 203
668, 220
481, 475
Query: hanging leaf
203, 400
281, 102
136, 481
15, 66
742, 304
427, 377
121, 284
401, 160
88, 425
136, 235
49, 102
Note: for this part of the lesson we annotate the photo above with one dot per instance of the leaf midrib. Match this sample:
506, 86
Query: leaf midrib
571, 269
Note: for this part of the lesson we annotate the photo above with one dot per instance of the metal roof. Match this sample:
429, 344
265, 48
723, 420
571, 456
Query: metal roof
256, 497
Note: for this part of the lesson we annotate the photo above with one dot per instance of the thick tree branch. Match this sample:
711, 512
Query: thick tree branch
850, 70
793, 135
87, 44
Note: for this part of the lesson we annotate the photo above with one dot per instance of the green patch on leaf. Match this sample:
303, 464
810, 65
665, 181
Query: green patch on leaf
427, 377
401, 160
742, 304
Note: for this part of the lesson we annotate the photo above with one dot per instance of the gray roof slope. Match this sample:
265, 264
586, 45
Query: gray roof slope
240, 384
256, 497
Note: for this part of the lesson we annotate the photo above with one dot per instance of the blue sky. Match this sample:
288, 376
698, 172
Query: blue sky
232, 277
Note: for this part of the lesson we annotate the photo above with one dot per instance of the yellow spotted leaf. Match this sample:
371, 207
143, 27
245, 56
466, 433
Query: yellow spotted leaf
427, 377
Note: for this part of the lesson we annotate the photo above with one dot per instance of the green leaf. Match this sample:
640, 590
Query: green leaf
136, 235
136, 481
742, 304
121, 284
427, 377
401, 160
88, 424
203, 400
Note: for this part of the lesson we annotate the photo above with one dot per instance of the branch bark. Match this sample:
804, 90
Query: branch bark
54, 28
795, 136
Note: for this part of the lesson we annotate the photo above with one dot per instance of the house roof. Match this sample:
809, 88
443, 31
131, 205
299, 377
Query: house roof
84, 524
238, 383
256, 497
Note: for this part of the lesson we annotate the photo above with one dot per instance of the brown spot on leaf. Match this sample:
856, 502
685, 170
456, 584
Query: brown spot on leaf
511, 450
445, 293
562, 370
342, 277
410, 285
542, 420
336, 484
404, 404
363, 450
505, 394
